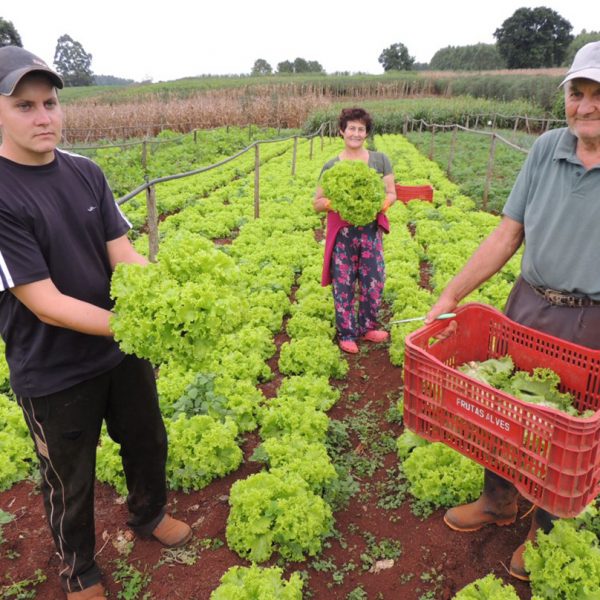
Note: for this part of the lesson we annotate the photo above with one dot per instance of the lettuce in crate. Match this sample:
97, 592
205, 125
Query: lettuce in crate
355, 190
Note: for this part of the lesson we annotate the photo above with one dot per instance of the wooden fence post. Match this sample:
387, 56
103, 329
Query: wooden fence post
322, 138
490, 170
152, 223
256, 181
144, 156
195, 136
452, 149
516, 124
405, 125
310, 153
294, 153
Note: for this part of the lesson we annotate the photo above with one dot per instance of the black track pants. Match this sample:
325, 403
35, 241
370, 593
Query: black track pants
65, 427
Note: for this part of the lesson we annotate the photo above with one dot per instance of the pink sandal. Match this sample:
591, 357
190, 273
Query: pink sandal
376, 335
349, 346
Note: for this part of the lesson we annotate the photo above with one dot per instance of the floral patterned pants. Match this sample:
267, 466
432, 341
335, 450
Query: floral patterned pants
357, 262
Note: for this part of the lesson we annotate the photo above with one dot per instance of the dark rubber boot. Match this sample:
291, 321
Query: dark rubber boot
541, 519
496, 506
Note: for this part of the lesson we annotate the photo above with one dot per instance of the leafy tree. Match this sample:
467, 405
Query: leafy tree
261, 67
396, 58
9, 36
73, 62
477, 57
285, 67
315, 67
533, 38
300, 65
580, 40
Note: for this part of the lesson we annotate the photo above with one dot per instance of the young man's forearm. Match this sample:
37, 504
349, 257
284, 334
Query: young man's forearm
52, 307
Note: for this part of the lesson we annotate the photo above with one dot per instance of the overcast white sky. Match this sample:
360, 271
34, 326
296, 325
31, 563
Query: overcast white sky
171, 39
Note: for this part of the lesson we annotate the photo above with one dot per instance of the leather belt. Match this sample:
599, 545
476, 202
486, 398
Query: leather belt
559, 298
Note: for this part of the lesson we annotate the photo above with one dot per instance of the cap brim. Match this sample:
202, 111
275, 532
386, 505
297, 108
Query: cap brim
10, 82
593, 74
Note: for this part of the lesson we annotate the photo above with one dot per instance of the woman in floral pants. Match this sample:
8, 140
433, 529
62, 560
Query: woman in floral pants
354, 254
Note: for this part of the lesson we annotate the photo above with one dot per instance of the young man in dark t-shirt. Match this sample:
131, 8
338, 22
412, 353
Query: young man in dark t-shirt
61, 236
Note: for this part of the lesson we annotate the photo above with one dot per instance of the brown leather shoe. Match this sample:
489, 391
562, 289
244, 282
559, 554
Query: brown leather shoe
517, 564
94, 592
172, 533
473, 516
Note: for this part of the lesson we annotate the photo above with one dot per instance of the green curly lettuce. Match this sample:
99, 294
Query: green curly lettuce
489, 587
312, 356
312, 390
254, 582
285, 416
565, 563
355, 190
407, 442
17, 455
200, 449
292, 453
441, 476
270, 513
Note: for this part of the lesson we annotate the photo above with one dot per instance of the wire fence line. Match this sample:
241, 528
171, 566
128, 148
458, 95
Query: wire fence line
148, 140
494, 138
149, 186
436, 127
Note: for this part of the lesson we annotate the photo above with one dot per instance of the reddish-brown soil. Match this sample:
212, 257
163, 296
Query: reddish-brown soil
434, 563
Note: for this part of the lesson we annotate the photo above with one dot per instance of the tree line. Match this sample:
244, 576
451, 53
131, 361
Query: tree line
530, 38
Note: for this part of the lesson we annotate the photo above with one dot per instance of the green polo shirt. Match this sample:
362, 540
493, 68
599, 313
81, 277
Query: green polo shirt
558, 202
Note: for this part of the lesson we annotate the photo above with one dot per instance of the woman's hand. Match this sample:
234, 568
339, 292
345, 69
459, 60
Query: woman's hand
322, 204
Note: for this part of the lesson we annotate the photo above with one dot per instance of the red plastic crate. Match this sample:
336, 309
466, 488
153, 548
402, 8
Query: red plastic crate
552, 458
404, 193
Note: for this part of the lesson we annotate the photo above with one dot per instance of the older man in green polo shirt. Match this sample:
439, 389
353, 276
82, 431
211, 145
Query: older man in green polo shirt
554, 209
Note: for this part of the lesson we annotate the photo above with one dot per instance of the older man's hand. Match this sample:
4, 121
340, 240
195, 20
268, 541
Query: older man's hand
443, 305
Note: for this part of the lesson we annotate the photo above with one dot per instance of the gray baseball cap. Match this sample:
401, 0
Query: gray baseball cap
586, 64
15, 63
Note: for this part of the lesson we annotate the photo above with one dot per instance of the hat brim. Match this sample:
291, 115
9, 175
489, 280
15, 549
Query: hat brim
10, 82
592, 73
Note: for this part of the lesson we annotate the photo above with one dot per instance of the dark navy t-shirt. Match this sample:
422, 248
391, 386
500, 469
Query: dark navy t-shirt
55, 221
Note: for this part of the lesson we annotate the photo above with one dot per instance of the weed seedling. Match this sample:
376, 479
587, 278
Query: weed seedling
22, 590
132, 581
